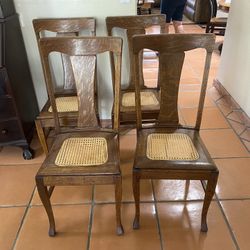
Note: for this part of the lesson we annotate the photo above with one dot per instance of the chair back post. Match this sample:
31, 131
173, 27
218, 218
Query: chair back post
82, 52
203, 88
117, 88
172, 48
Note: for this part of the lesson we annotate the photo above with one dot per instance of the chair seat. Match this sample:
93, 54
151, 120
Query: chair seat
149, 100
171, 149
66, 104
93, 152
98, 155
219, 21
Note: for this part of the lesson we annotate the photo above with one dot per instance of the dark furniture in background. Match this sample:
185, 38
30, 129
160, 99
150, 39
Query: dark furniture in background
18, 104
216, 23
198, 11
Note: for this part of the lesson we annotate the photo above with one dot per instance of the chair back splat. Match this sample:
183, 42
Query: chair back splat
171, 49
82, 52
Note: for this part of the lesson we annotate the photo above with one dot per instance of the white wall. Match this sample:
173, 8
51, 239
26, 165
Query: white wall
234, 69
30, 9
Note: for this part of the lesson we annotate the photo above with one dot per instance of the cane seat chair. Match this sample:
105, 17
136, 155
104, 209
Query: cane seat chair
166, 149
65, 92
87, 154
216, 23
150, 96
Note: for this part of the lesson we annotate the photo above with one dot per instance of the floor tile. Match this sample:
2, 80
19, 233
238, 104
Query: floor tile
238, 215
10, 221
246, 134
223, 143
103, 230
14, 155
71, 226
180, 227
233, 180
237, 127
167, 190
67, 195
17, 184
191, 100
212, 118
247, 144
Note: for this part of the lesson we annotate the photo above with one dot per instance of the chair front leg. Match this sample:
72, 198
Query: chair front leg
136, 190
45, 198
118, 200
209, 193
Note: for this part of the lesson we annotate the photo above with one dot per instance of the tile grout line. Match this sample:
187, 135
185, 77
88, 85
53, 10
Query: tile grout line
91, 214
23, 219
225, 219
157, 216
227, 223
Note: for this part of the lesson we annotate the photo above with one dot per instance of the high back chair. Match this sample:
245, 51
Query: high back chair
65, 93
144, 5
167, 150
133, 25
215, 23
88, 153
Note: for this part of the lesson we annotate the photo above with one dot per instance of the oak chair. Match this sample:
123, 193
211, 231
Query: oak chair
144, 5
166, 149
87, 154
150, 96
215, 23
65, 92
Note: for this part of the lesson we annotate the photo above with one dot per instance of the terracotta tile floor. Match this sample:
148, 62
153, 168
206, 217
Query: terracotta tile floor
170, 210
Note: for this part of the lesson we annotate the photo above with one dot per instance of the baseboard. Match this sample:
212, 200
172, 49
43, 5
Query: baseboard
234, 114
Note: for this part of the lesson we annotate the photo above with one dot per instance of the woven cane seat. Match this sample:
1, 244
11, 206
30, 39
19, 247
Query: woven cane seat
84, 151
147, 99
66, 104
175, 146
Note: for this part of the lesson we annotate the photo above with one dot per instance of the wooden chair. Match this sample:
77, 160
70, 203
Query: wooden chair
87, 154
150, 96
144, 6
66, 94
167, 150
216, 23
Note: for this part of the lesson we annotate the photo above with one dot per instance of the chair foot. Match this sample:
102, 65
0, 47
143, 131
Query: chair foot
204, 227
52, 232
136, 224
119, 230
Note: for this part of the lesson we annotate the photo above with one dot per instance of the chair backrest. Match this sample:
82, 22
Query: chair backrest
213, 7
171, 49
65, 27
133, 25
82, 52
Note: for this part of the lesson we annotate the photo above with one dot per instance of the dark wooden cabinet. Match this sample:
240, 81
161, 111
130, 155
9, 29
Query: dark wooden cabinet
18, 104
